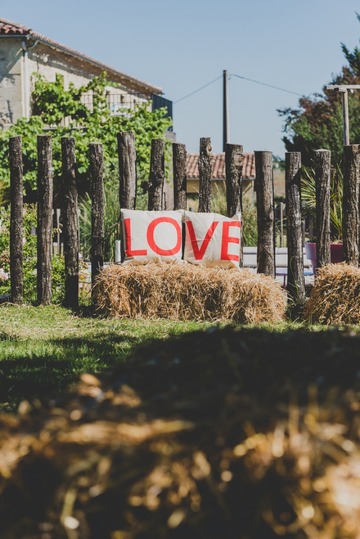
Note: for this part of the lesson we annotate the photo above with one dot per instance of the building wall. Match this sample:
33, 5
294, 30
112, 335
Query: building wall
11, 105
17, 82
49, 63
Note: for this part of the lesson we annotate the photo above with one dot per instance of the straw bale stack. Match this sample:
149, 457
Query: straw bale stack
188, 292
335, 297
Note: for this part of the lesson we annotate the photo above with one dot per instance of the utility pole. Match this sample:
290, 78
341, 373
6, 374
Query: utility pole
225, 110
344, 89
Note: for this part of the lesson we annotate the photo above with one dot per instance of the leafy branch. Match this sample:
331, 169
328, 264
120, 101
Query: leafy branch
63, 113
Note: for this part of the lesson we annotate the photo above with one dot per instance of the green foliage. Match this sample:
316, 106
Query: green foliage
111, 223
308, 198
250, 229
29, 258
218, 199
249, 215
28, 130
318, 121
53, 104
65, 113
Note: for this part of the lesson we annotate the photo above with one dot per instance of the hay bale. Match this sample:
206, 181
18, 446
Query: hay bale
188, 292
335, 297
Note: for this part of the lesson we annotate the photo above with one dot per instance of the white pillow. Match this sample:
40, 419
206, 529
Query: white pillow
152, 235
212, 239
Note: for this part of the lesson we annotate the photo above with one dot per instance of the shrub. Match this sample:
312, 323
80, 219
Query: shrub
308, 199
29, 258
218, 205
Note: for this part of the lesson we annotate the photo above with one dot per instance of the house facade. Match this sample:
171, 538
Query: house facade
24, 52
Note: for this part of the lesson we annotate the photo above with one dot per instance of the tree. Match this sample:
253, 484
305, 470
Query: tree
318, 120
53, 106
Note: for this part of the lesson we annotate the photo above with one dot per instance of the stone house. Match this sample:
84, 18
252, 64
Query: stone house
24, 52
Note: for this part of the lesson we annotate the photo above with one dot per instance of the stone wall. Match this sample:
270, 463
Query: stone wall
17, 67
11, 104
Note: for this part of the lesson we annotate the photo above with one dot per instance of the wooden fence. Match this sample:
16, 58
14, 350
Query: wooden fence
127, 196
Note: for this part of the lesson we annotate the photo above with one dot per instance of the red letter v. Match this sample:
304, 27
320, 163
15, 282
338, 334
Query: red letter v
200, 251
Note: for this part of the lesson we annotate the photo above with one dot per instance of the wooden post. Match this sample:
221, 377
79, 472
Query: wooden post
127, 170
205, 166
180, 176
16, 220
157, 175
264, 186
322, 166
296, 279
70, 223
44, 219
351, 201
97, 211
233, 178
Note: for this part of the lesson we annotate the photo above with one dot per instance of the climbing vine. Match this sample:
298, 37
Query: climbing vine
62, 113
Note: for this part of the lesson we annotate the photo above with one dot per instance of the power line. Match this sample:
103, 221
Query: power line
239, 77
197, 90
265, 84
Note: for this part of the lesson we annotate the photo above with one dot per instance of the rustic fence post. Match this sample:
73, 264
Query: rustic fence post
157, 175
127, 170
97, 211
233, 177
264, 186
180, 176
296, 279
70, 219
322, 167
205, 166
351, 201
16, 220
44, 219
233, 183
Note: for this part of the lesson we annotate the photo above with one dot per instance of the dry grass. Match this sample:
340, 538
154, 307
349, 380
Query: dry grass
335, 298
188, 292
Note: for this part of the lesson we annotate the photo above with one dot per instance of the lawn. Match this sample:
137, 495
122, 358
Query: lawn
44, 349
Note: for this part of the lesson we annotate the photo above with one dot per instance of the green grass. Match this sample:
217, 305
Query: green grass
44, 349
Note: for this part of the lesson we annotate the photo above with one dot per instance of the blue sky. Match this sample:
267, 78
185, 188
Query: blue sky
182, 46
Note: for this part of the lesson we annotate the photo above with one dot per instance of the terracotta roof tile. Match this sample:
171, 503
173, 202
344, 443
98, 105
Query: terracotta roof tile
218, 165
11, 28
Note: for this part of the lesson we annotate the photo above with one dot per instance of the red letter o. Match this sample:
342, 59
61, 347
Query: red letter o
151, 240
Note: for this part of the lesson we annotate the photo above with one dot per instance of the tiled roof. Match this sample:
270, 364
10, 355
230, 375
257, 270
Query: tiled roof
218, 165
8, 28
12, 29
